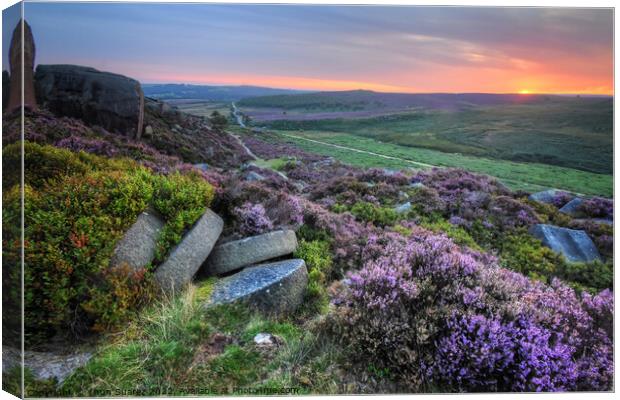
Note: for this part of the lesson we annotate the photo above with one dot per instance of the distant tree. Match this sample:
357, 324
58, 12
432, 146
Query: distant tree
218, 121
247, 120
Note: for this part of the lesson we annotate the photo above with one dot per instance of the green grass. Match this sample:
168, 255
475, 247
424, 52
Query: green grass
274, 163
569, 132
169, 350
524, 176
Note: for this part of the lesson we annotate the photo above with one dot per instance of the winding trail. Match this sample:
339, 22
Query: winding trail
239, 118
361, 151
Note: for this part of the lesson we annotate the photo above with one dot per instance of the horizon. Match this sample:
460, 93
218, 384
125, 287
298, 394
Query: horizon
375, 91
389, 49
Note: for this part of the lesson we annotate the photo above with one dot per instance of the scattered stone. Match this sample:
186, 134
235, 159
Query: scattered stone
239, 253
254, 176
148, 131
45, 365
137, 248
264, 339
572, 207
187, 257
575, 245
545, 196
114, 102
416, 185
274, 288
402, 196
202, 166
403, 208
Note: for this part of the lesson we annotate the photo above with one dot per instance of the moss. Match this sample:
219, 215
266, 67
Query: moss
456, 233
318, 258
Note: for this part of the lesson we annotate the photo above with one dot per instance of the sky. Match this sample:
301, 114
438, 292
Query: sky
390, 49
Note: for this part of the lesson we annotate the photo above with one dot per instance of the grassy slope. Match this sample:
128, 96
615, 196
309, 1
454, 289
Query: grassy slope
526, 176
569, 133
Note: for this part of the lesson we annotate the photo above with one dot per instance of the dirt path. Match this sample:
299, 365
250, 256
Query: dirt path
337, 146
247, 149
403, 159
360, 151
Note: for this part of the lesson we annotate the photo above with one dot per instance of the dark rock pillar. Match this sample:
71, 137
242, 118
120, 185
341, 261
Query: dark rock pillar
22, 71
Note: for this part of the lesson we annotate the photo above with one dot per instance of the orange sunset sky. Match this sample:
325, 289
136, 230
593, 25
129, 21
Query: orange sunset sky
392, 49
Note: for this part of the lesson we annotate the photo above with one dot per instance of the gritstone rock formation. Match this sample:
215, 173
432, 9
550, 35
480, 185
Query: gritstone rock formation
21, 69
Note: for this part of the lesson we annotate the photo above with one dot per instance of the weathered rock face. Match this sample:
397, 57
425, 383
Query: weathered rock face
137, 248
274, 288
21, 72
239, 253
575, 245
572, 207
45, 365
187, 257
112, 101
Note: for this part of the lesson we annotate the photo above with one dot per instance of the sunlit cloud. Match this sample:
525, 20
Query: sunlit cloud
414, 49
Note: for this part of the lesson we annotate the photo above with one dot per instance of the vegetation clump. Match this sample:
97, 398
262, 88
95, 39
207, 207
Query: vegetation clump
77, 205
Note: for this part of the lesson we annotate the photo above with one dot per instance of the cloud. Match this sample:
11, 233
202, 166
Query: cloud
389, 46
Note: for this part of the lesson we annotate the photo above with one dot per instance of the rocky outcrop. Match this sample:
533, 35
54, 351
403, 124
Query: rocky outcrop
114, 102
240, 253
21, 72
275, 288
187, 257
44, 365
137, 247
575, 245
572, 207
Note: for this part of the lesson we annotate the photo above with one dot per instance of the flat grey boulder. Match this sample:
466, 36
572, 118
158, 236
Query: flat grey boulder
575, 245
187, 257
572, 207
251, 250
274, 288
137, 247
254, 176
202, 166
545, 196
45, 365
114, 102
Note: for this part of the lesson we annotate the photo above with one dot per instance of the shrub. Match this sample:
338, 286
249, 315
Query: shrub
439, 316
252, 219
368, 212
597, 207
77, 205
319, 261
181, 200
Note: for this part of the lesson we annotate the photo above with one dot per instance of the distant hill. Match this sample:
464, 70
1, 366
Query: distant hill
357, 100
170, 91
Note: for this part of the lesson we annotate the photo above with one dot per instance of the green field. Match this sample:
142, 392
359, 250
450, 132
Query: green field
569, 134
202, 108
525, 176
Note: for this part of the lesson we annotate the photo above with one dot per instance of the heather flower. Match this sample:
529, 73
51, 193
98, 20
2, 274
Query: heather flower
252, 219
597, 207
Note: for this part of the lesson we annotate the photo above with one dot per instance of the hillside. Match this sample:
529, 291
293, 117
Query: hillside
565, 131
356, 100
170, 91
350, 222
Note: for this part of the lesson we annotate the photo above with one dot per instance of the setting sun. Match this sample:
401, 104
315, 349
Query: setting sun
524, 91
